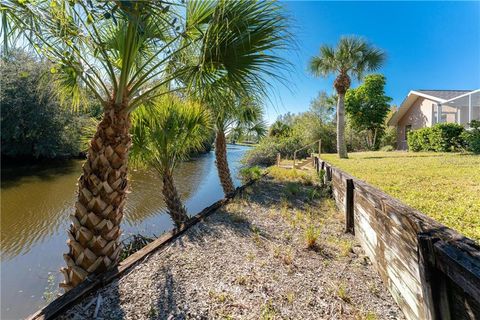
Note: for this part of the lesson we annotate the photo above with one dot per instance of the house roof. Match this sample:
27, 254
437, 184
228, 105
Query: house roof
438, 96
444, 94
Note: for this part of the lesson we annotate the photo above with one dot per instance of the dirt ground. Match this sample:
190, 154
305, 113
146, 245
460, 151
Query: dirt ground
249, 260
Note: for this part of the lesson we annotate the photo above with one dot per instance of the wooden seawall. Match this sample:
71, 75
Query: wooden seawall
433, 272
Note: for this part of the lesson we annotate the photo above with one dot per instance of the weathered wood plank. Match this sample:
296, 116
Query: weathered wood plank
388, 231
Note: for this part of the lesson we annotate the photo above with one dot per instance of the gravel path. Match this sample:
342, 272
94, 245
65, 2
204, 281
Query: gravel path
249, 261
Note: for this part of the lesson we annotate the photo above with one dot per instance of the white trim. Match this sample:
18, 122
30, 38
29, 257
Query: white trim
421, 94
463, 95
470, 108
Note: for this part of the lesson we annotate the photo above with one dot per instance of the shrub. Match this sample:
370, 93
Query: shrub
249, 174
387, 148
418, 140
445, 137
442, 137
471, 137
389, 137
265, 153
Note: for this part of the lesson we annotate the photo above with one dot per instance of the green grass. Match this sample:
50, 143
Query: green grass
444, 186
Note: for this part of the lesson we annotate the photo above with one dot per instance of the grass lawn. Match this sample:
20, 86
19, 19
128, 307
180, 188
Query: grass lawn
445, 186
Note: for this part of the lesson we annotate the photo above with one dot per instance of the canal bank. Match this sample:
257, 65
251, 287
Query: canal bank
248, 260
36, 202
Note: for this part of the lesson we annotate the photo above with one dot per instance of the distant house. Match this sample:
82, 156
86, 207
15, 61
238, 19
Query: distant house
424, 108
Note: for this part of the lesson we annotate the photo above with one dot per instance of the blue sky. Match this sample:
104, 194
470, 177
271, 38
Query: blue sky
429, 45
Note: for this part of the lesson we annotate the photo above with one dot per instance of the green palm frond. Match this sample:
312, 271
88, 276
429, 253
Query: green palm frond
240, 48
352, 55
167, 131
118, 50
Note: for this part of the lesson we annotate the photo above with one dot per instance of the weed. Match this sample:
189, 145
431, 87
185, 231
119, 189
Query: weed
373, 288
152, 312
237, 218
250, 174
250, 256
288, 256
241, 280
311, 236
292, 188
345, 246
290, 297
366, 316
342, 293
220, 297
268, 311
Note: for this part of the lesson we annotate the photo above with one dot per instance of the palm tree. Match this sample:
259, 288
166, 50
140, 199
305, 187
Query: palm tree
238, 112
125, 53
164, 134
121, 52
353, 56
238, 57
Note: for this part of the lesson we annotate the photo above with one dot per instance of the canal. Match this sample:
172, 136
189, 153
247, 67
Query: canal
36, 201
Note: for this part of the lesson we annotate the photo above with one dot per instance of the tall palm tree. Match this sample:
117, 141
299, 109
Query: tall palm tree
352, 57
240, 57
121, 52
236, 113
163, 135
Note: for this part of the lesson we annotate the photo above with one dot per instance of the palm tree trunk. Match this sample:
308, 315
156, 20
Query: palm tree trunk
172, 200
341, 146
93, 237
222, 164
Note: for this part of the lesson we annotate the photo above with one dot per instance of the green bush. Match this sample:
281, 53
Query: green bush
446, 137
442, 137
249, 174
471, 137
418, 140
265, 153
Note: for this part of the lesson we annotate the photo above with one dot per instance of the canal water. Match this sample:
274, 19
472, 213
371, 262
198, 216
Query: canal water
35, 205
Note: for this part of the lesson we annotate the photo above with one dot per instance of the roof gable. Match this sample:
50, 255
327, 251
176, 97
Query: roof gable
438, 96
444, 94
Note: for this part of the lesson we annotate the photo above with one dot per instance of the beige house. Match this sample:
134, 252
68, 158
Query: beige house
424, 108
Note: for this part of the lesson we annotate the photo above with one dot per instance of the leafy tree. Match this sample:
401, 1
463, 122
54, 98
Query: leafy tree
367, 107
33, 123
164, 134
324, 106
353, 56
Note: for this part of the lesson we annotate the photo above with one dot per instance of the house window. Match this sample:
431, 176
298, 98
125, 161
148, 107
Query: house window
408, 128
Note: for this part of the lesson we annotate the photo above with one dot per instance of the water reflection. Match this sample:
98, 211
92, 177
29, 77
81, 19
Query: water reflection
37, 200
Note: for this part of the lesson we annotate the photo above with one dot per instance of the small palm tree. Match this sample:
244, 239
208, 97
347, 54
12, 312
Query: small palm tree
353, 56
164, 134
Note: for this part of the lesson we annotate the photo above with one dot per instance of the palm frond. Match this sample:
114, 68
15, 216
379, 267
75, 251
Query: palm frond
167, 131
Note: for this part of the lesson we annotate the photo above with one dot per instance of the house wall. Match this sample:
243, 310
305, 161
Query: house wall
418, 116
422, 113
